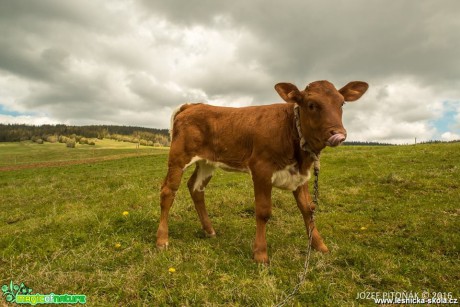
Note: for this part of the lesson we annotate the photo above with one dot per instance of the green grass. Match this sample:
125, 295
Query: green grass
390, 216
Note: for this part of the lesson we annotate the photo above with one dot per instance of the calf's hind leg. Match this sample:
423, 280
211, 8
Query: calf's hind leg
196, 185
262, 194
167, 195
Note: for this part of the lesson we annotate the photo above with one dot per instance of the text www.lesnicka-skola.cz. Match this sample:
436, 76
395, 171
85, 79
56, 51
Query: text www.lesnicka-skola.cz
408, 297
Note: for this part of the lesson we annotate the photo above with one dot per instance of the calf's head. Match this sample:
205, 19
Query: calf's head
321, 109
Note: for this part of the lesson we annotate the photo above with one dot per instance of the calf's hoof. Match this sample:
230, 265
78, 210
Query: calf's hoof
162, 245
261, 258
211, 234
321, 247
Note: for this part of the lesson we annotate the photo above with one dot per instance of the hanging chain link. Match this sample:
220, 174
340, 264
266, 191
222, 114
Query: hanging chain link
303, 274
316, 187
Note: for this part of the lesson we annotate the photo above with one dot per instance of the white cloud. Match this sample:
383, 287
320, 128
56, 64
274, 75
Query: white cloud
28, 120
449, 136
395, 113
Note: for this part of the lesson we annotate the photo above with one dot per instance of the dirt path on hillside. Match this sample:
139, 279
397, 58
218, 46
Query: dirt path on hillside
67, 162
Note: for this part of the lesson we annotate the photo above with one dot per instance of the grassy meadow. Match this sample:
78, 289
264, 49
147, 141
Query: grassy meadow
31, 154
389, 215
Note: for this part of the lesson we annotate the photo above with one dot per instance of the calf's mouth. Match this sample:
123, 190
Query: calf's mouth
336, 140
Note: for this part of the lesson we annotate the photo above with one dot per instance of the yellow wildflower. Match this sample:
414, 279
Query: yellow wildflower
125, 213
172, 270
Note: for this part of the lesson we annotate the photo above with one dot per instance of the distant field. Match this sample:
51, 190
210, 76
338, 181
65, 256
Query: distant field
26, 153
390, 216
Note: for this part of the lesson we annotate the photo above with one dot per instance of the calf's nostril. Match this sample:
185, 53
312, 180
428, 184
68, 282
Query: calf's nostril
333, 132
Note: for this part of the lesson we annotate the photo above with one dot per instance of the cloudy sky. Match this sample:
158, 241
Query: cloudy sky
130, 62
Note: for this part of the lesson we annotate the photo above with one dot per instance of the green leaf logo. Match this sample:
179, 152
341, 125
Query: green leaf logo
10, 292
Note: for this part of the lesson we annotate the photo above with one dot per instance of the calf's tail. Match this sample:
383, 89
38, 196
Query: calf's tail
176, 111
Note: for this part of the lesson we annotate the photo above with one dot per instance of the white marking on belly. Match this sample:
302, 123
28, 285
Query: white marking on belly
289, 178
206, 169
226, 167
204, 172
194, 159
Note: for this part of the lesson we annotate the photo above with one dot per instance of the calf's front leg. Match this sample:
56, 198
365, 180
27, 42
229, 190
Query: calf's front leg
307, 207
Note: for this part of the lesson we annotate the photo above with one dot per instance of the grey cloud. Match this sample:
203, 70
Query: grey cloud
304, 39
55, 57
19, 62
188, 12
36, 16
151, 91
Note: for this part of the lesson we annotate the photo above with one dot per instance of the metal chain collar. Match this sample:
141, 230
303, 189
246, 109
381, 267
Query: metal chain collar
303, 141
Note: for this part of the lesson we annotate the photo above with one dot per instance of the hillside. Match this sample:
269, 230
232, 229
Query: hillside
54, 133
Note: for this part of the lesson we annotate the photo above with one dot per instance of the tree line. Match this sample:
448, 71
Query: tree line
356, 143
83, 134
353, 143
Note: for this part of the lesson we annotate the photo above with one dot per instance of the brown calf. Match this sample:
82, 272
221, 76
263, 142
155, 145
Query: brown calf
276, 144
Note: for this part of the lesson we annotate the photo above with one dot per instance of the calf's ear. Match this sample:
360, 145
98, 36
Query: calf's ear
353, 90
289, 92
